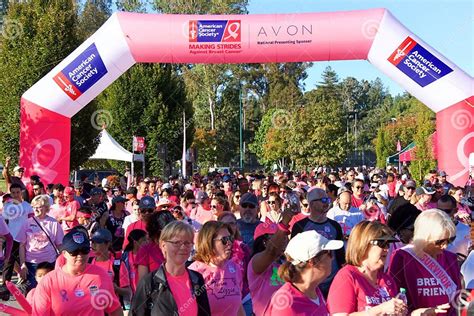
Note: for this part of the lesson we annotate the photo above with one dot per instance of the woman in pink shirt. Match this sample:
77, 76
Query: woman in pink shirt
150, 257
69, 219
308, 263
40, 238
136, 239
76, 288
426, 269
173, 289
222, 276
103, 257
270, 240
361, 287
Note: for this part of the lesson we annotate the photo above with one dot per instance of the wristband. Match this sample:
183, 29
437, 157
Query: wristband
284, 228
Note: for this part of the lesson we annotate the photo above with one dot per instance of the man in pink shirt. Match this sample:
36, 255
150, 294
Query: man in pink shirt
76, 288
203, 212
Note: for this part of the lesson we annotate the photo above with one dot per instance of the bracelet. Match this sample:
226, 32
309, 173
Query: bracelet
284, 228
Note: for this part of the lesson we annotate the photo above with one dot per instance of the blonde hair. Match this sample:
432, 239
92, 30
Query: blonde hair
205, 240
432, 225
359, 240
175, 228
40, 200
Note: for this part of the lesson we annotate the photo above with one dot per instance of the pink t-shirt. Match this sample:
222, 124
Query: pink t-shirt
351, 292
202, 215
133, 271
423, 289
30, 295
149, 255
71, 208
57, 211
107, 266
37, 245
223, 285
181, 288
3, 231
262, 286
289, 301
90, 293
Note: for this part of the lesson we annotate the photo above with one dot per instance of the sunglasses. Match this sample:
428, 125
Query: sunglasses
324, 200
77, 252
147, 211
225, 240
214, 206
247, 205
446, 241
305, 204
271, 202
384, 244
237, 196
358, 187
411, 188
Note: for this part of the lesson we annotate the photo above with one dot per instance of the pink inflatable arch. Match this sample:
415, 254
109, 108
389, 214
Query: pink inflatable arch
128, 38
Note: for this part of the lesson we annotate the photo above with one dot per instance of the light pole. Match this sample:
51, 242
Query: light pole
241, 164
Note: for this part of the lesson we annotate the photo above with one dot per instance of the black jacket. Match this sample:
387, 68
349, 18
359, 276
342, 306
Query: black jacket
154, 297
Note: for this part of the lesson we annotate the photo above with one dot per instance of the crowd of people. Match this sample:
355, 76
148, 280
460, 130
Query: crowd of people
350, 241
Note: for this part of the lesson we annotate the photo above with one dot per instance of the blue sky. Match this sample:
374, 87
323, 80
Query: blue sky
446, 25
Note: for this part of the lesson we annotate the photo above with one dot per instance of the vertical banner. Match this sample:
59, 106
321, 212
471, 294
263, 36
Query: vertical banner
139, 143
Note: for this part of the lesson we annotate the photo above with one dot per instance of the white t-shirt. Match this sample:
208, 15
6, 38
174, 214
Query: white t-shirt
347, 219
16, 215
462, 243
129, 219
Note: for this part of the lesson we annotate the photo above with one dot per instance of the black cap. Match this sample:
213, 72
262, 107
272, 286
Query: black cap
96, 191
74, 240
249, 198
119, 199
132, 190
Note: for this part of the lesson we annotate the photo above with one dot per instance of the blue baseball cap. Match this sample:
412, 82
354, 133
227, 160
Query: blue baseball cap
147, 202
74, 240
102, 235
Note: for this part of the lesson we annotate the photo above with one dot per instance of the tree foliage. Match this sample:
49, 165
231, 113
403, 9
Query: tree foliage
44, 34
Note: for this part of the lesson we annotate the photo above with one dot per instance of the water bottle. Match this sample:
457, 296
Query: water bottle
402, 295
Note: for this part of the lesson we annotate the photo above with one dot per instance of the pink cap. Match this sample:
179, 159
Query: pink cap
68, 191
265, 228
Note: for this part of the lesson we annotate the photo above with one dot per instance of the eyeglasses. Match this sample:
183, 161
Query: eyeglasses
177, 210
247, 205
225, 240
180, 243
324, 200
81, 251
36, 189
445, 241
147, 211
271, 202
384, 244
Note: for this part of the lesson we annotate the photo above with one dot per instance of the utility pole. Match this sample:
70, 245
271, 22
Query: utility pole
241, 164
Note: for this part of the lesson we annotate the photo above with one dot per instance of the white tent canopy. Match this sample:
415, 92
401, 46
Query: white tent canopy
109, 149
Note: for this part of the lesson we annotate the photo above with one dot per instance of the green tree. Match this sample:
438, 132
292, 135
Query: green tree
318, 133
44, 34
149, 100
93, 15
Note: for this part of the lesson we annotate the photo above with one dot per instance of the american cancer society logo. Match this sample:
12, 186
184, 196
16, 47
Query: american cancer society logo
214, 31
82, 73
418, 63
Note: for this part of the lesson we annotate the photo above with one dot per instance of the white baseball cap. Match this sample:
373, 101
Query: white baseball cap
307, 245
